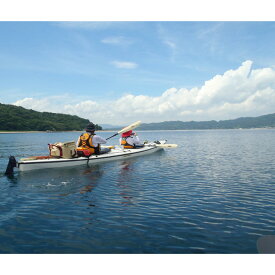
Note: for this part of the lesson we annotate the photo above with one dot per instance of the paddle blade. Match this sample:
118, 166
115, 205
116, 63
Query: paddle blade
167, 145
130, 127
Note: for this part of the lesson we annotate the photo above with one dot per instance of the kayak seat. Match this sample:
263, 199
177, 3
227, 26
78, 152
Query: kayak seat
138, 146
104, 151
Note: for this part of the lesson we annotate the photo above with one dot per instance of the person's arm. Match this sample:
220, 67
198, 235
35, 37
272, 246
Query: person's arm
77, 143
130, 140
99, 140
137, 140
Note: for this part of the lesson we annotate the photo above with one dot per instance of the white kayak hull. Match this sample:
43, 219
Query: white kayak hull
114, 154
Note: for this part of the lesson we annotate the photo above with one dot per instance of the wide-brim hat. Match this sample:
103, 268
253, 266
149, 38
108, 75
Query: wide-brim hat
127, 134
90, 127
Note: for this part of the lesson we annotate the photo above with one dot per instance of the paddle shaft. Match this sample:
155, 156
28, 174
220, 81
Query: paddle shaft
126, 129
112, 136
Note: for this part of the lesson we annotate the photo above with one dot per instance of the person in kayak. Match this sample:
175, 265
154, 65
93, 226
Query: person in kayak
89, 143
130, 140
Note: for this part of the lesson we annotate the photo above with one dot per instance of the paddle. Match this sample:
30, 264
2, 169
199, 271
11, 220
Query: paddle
167, 145
126, 129
157, 145
108, 146
11, 165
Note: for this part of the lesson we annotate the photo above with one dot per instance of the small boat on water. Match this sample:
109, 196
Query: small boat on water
115, 153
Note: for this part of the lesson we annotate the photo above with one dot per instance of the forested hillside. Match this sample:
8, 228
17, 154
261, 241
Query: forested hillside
265, 121
15, 118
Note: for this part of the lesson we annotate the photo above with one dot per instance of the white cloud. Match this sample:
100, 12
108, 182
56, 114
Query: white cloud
167, 39
55, 104
124, 65
210, 37
238, 92
117, 40
97, 25
205, 33
35, 104
170, 44
87, 25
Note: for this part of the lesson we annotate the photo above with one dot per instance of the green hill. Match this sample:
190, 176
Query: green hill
265, 121
15, 118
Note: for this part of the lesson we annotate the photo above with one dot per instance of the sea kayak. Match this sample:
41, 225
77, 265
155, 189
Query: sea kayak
115, 153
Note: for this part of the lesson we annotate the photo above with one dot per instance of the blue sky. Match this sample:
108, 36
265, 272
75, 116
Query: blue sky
153, 71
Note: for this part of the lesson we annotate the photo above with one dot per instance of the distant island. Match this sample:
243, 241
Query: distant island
265, 121
16, 118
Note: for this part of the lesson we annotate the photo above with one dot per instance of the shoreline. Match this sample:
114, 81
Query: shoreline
30, 132
33, 132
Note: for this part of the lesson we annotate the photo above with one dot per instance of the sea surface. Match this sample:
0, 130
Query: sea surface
215, 193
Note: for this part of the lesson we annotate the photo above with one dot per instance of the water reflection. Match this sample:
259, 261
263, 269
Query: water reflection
215, 194
60, 182
92, 176
12, 179
125, 181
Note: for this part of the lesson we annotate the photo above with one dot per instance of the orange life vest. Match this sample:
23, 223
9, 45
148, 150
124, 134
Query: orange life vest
86, 145
126, 144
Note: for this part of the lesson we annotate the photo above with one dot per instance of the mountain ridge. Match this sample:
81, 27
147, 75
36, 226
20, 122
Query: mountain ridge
17, 118
264, 121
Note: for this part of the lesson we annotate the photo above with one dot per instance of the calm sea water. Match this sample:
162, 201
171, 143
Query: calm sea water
215, 193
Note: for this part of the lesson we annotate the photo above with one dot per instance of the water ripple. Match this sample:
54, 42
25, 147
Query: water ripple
214, 194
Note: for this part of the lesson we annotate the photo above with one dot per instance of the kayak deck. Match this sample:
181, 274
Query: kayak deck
113, 154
